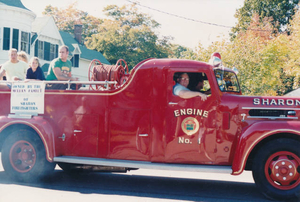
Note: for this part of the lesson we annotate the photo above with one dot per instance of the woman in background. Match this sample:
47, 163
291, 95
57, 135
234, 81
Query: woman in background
22, 56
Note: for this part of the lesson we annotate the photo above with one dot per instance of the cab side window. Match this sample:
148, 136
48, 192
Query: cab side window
197, 81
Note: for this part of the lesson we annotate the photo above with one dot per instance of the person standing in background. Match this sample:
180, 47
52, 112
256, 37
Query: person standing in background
22, 56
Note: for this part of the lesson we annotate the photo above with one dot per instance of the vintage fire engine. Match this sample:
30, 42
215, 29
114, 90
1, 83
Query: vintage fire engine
123, 121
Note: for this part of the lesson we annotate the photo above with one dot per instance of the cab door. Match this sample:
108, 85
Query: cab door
190, 127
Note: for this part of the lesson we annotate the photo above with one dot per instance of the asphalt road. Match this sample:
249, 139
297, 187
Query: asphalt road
134, 186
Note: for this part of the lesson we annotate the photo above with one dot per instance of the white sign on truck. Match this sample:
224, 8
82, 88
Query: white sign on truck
27, 98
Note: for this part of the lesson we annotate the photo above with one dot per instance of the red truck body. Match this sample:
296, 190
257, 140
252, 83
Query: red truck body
142, 124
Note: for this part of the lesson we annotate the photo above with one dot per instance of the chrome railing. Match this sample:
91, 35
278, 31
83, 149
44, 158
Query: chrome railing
107, 84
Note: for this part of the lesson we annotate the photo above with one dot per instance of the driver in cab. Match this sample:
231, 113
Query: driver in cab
180, 88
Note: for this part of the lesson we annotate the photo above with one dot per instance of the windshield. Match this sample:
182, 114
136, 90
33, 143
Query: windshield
227, 81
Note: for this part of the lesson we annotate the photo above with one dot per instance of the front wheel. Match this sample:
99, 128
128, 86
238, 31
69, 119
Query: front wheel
276, 169
24, 157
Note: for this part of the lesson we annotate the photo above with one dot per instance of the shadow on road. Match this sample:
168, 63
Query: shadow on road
145, 186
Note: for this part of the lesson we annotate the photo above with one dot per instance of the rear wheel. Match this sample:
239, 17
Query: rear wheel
24, 157
276, 169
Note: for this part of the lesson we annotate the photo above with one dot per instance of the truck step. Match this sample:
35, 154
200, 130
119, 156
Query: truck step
143, 164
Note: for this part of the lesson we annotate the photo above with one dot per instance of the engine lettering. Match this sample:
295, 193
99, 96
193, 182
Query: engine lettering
190, 111
182, 140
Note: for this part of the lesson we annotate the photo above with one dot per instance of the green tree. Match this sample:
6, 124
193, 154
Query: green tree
260, 57
292, 69
268, 63
281, 12
65, 19
129, 35
178, 51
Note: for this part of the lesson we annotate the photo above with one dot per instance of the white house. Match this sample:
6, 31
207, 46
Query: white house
15, 27
40, 37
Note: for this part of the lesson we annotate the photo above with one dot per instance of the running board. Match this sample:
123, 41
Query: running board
143, 164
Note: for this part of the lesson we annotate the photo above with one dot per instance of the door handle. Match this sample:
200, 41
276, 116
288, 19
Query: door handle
143, 135
173, 103
63, 137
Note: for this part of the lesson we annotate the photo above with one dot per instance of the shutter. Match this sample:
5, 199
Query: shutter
6, 38
34, 36
36, 48
15, 41
47, 51
56, 51
29, 42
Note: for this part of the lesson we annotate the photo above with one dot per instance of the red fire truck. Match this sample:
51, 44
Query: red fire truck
128, 121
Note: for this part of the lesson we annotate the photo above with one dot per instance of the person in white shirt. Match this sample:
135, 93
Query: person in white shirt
14, 69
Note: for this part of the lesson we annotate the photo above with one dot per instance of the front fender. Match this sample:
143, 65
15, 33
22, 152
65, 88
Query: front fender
44, 128
256, 133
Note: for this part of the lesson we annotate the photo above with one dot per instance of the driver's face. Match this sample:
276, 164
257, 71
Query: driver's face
184, 80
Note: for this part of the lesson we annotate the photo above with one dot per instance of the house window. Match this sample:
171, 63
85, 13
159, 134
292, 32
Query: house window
41, 49
52, 51
6, 38
15, 41
75, 60
25, 42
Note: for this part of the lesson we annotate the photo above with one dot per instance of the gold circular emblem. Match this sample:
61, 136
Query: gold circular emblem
190, 125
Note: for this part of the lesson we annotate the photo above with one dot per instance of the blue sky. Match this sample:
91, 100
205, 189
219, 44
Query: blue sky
185, 32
